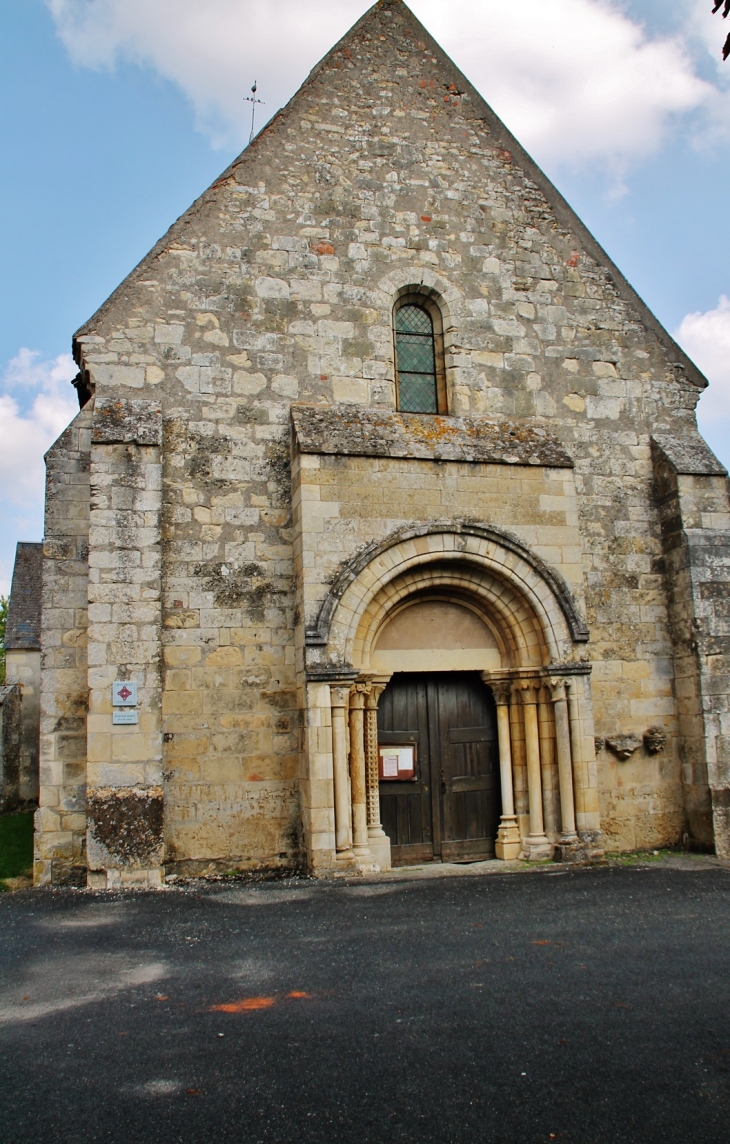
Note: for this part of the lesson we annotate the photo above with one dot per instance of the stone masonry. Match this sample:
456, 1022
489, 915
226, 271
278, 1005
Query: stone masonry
239, 505
23, 659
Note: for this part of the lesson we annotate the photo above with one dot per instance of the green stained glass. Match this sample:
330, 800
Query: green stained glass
417, 391
413, 320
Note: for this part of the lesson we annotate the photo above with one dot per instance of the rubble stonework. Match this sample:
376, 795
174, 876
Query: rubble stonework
11, 742
23, 659
255, 507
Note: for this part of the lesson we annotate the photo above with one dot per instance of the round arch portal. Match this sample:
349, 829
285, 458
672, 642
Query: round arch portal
454, 597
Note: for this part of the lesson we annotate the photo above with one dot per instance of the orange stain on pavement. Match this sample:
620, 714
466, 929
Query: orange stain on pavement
249, 1005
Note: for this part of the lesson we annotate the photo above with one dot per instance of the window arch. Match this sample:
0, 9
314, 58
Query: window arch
419, 356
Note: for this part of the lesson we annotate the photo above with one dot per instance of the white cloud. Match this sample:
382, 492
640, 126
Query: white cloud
36, 404
577, 80
706, 338
26, 434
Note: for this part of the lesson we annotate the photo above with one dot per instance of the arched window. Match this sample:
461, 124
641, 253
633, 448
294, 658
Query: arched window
419, 356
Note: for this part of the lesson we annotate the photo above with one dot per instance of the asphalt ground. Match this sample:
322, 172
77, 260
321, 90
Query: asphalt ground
583, 1006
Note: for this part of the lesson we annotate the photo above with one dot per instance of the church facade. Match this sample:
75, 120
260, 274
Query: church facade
385, 533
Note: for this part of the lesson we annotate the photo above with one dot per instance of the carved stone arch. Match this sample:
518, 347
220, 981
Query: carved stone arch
506, 612
419, 279
485, 555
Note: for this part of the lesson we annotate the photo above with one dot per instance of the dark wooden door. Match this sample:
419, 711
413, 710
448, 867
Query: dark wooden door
451, 811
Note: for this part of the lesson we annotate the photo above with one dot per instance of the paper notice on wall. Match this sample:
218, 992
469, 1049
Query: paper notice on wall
406, 761
391, 760
397, 762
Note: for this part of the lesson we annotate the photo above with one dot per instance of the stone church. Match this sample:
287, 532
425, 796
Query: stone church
385, 534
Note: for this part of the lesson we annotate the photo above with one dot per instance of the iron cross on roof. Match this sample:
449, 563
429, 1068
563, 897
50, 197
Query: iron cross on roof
253, 101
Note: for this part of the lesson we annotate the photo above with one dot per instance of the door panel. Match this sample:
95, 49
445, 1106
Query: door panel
452, 809
470, 793
405, 807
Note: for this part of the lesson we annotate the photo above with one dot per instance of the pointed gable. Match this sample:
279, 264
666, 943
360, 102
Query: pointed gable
410, 101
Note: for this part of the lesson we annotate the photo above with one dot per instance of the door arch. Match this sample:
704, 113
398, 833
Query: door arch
537, 674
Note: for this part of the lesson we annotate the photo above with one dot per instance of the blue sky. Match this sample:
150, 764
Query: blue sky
116, 114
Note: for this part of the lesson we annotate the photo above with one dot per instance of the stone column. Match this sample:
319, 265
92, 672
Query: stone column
550, 808
340, 696
585, 778
358, 784
519, 761
568, 835
508, 843
537, 843
378, 840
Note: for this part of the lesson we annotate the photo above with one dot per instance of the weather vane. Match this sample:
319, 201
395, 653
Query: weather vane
253, 101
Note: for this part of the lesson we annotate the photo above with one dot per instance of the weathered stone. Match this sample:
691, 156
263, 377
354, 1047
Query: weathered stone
23, 659
125, 828
120, 422
239, 565
655, 740
356, 431
623, 746
11, 742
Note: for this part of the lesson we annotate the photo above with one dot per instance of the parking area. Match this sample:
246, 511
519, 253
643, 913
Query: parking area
588, 1006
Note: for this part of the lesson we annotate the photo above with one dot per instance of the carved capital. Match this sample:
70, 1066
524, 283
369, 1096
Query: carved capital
529, 691
373, 695
502, 692
557, 688
340, 694
358, 695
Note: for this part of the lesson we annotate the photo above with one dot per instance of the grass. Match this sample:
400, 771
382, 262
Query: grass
16, 845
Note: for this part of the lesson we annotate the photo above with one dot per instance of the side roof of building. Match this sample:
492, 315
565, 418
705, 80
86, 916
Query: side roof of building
23, 629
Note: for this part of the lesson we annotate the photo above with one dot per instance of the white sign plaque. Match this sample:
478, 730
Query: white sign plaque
123, 718
124, 694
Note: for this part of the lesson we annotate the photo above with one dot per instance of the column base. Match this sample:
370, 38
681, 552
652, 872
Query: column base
365, 860
380, 850
345, 863
509, 844
537, 848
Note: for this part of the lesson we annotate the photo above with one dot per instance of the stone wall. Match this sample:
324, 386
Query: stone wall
692, 492
386, 173
60, 846
11, 743
23, 666
124, 772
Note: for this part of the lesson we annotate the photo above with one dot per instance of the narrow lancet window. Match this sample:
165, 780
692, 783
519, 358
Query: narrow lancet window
415, 348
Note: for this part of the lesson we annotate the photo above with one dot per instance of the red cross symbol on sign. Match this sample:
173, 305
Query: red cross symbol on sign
125, 693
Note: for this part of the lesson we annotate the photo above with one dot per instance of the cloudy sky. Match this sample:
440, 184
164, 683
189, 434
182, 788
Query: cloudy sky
116, 114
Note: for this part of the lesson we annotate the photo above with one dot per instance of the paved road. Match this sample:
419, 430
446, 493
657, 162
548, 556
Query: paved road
586, 1007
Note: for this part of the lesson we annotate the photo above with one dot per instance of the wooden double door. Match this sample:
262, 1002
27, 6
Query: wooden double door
450, 812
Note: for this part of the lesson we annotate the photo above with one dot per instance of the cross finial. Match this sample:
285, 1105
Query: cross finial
253, 101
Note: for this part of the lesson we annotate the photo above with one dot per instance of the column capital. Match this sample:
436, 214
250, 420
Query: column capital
557, 687
358, 695
502, 692
377, 686
528, 690
340, 694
